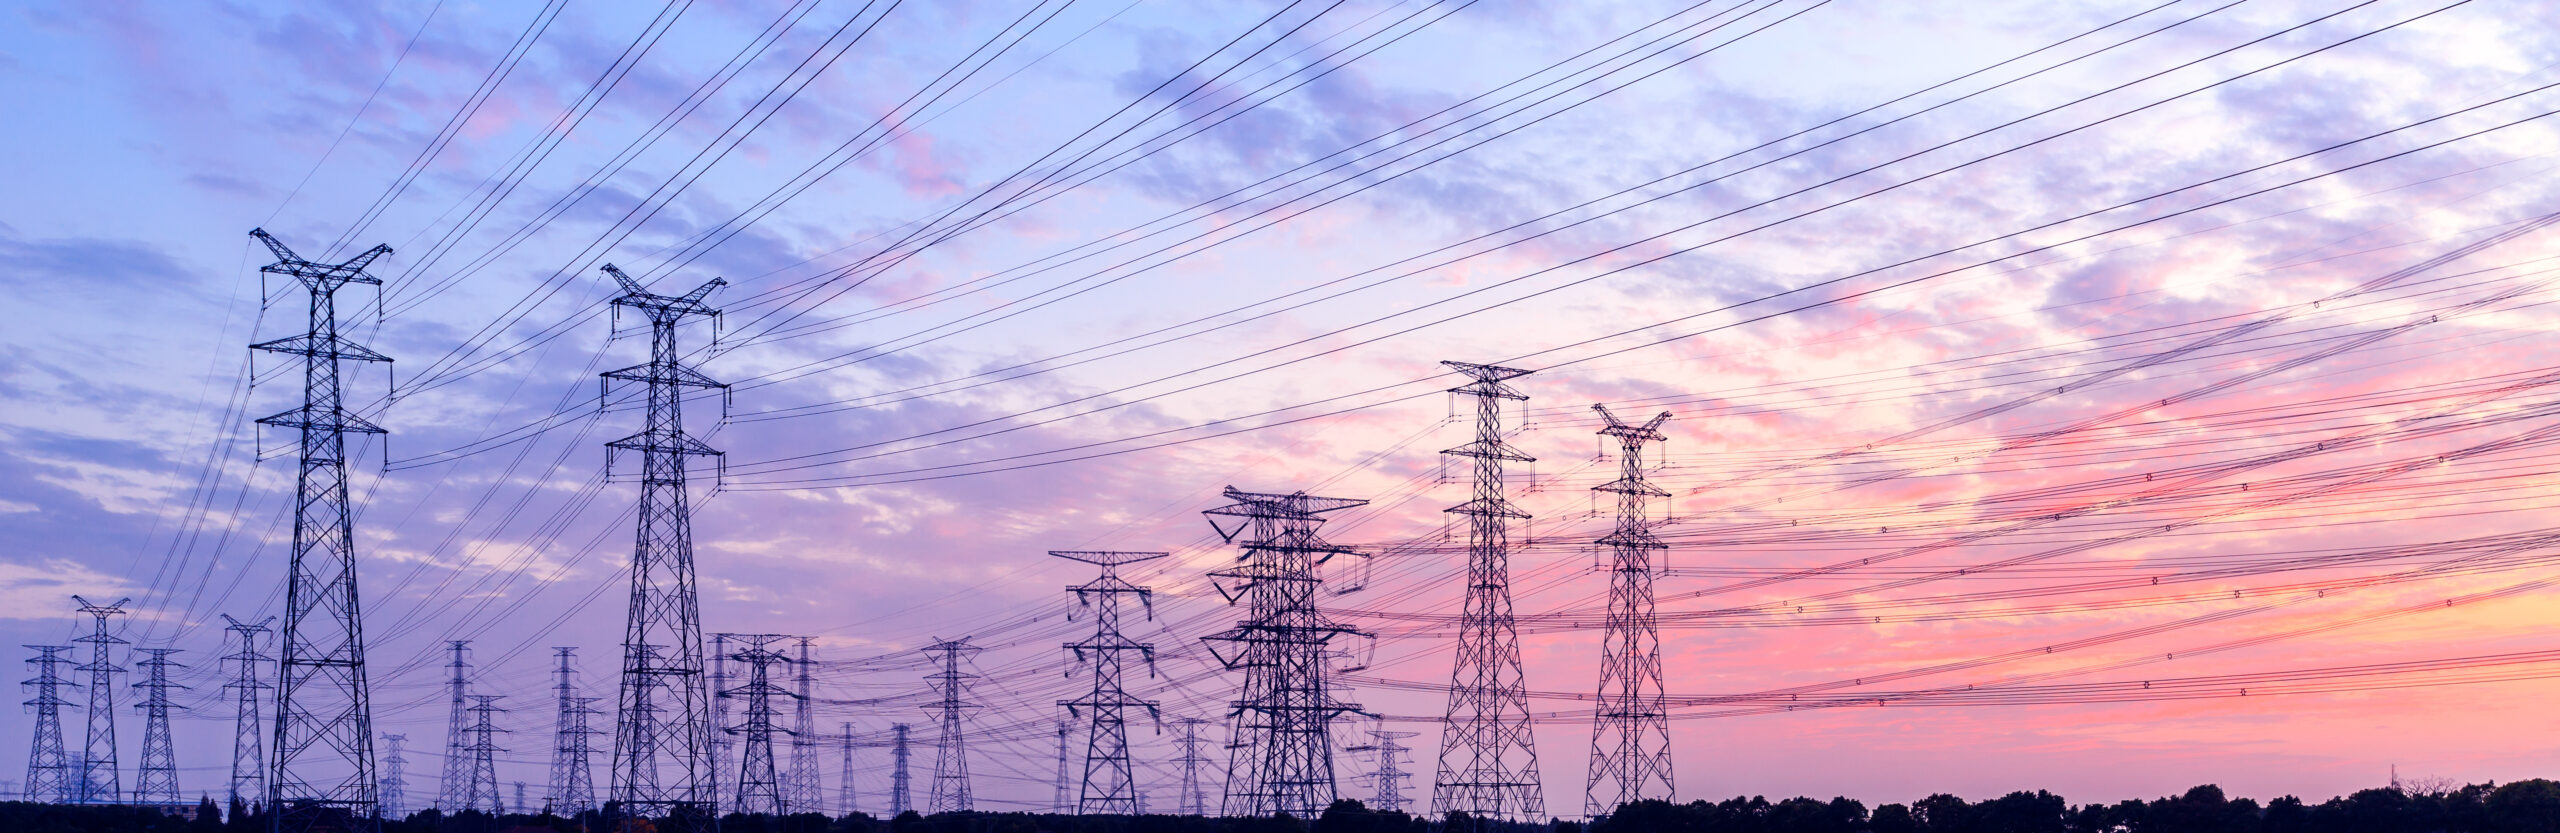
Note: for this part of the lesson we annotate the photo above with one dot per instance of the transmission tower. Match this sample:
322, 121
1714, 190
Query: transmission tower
1109, 786
1488, 761
1387, 781
723, 749
520, 806
248, 753
1281, 745
99, 783
156, 780
804, 796
898, 803
758, 787
1059, 794
1193, 800
49, 768
950, 792
323, 766
481, 792
663, 730
573, 788
1631, 728
844, 769
456, 785
395, 778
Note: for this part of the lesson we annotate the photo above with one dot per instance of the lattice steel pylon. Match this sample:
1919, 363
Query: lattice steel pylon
1630, 728
482, 792
722, 747
395, 778
248, 749
454, 791
99, 779
844, 772
1109, 784
1194, 798
1386, 783
662, 732
1281, 744
1060, 795
759, 787
898, 803
804, 795
323, 767
1488, 760
573, 787
50, 772
950, 789
155, 779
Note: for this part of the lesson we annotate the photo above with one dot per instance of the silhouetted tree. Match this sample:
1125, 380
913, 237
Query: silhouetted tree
2528, 806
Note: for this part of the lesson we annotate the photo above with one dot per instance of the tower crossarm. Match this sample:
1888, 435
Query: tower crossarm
320, 277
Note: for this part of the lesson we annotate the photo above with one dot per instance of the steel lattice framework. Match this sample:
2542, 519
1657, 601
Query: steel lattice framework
99, 781
1059, 795
1281, 758
844, 771
573, 786
662, 732
49, 768
481, 792
721, 745
759, 787
1386, 783
1488, 760
395, 778
248, 751
1109, 785
898, 803
950, 789
804, 796
1194, 799
155, 779
1631, 728
454, 793
323, 769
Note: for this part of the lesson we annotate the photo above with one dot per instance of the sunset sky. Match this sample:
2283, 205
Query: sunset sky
2078, 343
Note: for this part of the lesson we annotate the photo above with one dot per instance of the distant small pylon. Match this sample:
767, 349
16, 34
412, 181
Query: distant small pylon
50, 772
482, 790
898, 803
248, 749
457, 784
572, 746
759, 784
1387, 781
1193, 800
156, 779
395, 780
951, 753
844, 787
99, 782
1058, 796
804, 795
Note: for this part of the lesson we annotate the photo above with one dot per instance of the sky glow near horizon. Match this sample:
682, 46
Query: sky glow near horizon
1087, 371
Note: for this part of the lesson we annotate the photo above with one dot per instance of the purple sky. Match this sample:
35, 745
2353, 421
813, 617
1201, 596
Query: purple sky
1234, 241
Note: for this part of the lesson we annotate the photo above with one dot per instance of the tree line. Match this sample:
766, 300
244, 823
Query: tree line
2531, 806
